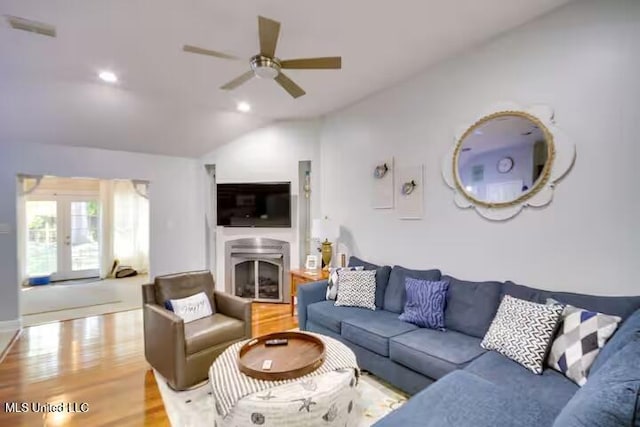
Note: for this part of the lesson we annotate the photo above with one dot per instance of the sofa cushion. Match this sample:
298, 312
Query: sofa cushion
354, 261
616, 306
211, 331
464, 400
434, 353
551, 388
330, 316
525, 292
395, 295
382, 277
471, 306
628, 331
373, 332
611, 397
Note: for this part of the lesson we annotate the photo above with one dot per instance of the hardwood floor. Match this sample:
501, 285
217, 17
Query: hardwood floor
98, 361
267, 318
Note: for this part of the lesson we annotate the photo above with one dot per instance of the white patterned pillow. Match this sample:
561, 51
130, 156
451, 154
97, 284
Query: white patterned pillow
191, 308
522, 331
581, 335
357, 289
332, 283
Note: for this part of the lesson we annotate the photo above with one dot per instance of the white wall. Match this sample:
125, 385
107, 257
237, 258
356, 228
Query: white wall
177, 220
582, 60
271, 153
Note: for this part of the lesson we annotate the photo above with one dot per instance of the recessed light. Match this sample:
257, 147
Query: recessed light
108, 76
243, 107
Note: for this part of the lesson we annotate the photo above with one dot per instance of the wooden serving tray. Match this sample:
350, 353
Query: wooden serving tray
303, 354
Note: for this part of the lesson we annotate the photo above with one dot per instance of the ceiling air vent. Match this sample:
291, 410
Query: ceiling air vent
31, 26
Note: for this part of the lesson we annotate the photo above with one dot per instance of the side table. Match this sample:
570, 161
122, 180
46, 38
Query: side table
299, 277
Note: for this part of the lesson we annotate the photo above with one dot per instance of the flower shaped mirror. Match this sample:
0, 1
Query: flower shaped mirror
507, 160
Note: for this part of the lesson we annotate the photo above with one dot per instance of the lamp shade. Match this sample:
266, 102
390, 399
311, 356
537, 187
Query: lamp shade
325, 229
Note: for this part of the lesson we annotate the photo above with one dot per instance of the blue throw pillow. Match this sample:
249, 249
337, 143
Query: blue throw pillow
425, 303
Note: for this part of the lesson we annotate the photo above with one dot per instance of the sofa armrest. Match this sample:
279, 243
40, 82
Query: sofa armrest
164, 344
308, 294
236, 307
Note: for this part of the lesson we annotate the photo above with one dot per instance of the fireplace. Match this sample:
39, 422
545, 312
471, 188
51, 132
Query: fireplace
257, 268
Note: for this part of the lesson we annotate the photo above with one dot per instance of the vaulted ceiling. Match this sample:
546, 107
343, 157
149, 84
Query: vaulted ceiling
169, 102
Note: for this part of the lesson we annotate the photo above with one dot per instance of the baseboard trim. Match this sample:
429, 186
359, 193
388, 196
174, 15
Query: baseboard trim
5, 351
11, 325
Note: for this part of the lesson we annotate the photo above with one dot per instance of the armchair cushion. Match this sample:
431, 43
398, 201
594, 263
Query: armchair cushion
182, 285
211, 331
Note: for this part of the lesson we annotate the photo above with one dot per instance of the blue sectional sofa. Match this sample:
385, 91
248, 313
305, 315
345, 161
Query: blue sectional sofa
467, 385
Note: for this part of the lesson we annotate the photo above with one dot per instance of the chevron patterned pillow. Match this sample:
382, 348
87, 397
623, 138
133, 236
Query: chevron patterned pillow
332, 283
357, 289
522, 331
581, 335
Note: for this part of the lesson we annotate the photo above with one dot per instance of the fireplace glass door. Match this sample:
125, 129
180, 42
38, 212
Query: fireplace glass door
260, 279
246, 279
268, 281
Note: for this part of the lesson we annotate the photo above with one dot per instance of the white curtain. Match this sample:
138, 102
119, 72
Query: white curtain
106, 234
125, 225
130, 226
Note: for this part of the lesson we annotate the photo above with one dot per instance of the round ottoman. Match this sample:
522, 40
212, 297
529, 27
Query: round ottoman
313, 400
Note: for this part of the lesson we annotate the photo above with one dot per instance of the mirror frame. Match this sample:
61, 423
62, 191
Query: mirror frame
561, 157
535, 188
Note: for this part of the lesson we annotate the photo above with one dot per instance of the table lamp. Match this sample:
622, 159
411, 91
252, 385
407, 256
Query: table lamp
327, 230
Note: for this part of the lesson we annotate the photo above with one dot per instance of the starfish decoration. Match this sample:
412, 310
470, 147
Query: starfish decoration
267, 396
306, 404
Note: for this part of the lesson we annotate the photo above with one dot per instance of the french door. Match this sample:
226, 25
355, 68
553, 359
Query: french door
63, 237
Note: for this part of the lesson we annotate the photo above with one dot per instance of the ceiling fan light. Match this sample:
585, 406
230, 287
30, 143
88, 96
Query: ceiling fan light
266, 72
243, 107
108, 76
264, 67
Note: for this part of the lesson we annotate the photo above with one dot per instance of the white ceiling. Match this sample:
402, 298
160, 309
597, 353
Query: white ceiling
168, 101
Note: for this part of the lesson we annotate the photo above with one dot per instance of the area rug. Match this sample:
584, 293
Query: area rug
64, 297
194, 408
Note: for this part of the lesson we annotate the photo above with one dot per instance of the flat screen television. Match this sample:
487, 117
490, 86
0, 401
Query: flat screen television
260, 204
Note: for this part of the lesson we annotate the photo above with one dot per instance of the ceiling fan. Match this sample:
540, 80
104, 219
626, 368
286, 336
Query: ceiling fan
266, 65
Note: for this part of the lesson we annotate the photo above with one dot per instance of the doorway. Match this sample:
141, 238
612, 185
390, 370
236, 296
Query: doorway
87, 239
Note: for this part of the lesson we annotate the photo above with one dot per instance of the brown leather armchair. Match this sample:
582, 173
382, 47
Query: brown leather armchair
183, 352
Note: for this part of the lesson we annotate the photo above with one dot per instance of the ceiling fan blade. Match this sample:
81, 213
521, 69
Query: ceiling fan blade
331, 62
201, 51
268, 31
238, 81
288, 85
